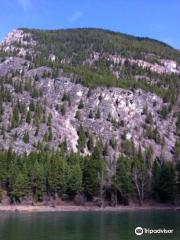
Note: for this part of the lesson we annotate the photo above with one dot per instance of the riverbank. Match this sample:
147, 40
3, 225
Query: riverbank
69, 208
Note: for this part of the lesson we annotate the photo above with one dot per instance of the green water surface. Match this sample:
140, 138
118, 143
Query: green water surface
87, 225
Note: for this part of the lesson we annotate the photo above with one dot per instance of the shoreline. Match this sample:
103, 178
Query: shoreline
73, 208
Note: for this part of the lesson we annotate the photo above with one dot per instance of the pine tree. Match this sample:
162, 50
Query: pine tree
75, 180
26, 137
98, 150
113, 143
28, 117
50, 135
46, 136
57, 107
78, 115
156, 171
98, 114
63, 109
49, 122
106, 150
90, 143
64, 145
64, 98
81, 104
156, 136
32, 106
39, 181
44, 118
91, 114
37, 131
109, 117
124, 182
90, 176
89, 93
21, 186
82, 139
55, 175
167, 183
3, 132
15, 117
149, 118
36, 78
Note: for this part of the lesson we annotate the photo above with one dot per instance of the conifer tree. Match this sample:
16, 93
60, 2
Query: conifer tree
89, 93
26, 137
50, 135
81, 104
167, 183
56, 172
3, 132
98, 114
21, 185
90, 180
37, 131
156, 171
75, 180
49, 122
64, 98
15, 117
123, 177
82, 139
39, 181
32, 105
78, 115
91, 114
90, 143
28, 117
106, 150
63, 109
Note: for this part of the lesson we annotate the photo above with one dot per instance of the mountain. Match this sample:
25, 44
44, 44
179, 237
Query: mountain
75, 89
133, 83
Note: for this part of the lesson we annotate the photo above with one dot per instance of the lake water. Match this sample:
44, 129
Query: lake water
87, 225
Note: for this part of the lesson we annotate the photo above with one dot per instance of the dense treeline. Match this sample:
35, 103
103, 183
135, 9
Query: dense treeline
84, 41
43, 175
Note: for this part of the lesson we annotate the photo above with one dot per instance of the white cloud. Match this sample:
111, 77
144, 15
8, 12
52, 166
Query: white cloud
25, 3
74, 17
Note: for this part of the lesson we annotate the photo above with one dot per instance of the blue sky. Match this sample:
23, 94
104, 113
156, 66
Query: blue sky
158, 19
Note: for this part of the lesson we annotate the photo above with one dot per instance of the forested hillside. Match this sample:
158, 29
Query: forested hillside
88, 115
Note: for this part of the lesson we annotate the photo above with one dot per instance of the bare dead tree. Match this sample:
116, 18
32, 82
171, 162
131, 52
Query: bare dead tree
140, 178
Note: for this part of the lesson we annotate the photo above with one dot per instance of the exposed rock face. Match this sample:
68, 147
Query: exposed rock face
125, 106
8, 65
52, 58
122, 104
15, 37
168, 66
